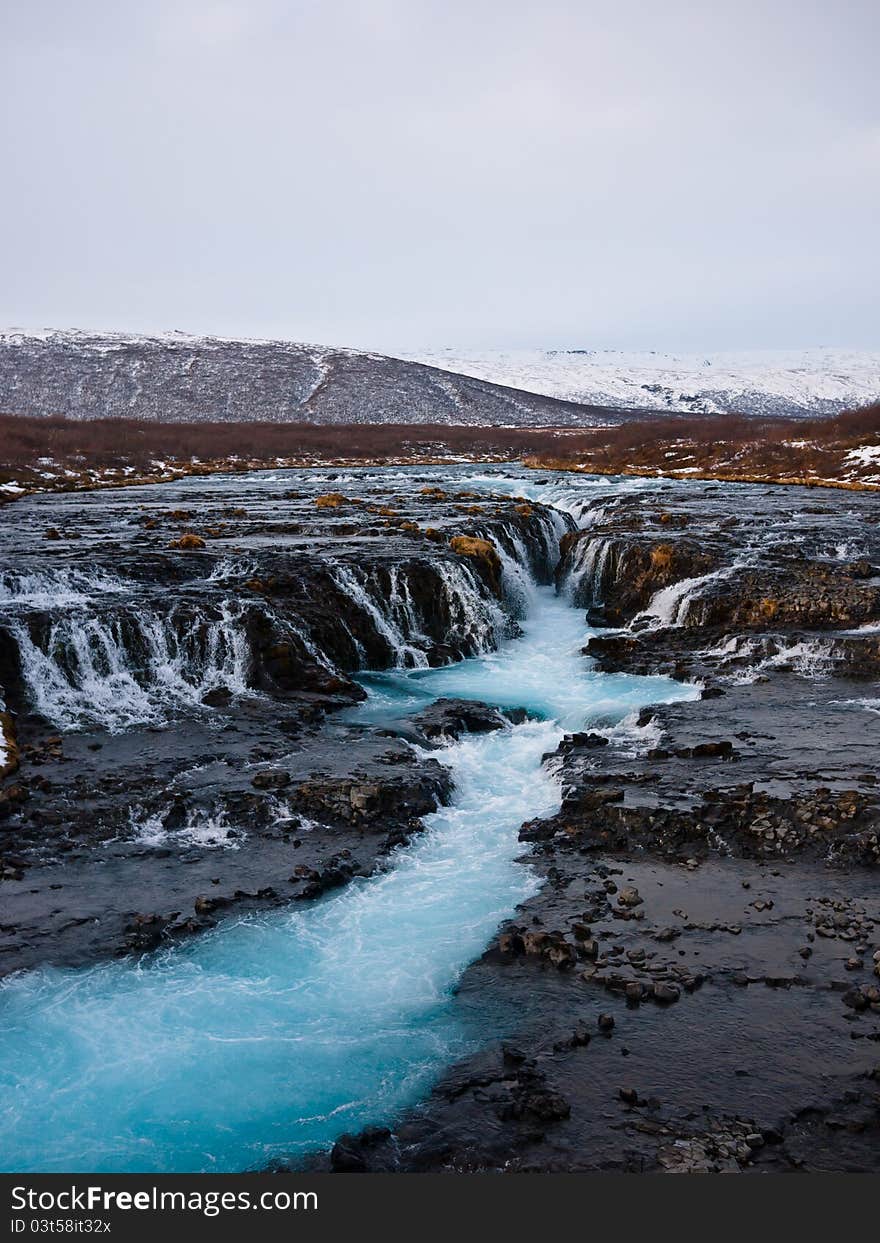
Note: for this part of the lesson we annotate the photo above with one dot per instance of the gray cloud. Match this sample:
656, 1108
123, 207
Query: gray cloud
398, 173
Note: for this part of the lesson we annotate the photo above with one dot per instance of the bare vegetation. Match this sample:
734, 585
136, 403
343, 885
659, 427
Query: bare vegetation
129, 442
814, 451
40, 453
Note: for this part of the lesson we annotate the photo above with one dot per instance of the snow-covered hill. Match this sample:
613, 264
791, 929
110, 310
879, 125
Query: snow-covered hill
180, 378
790, 383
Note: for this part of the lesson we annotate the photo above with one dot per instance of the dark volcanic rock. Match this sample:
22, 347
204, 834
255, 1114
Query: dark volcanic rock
364, 801
228, 660
709, 905
449, 718
693, 988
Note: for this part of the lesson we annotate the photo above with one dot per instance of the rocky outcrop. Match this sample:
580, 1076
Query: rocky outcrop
753, 824
799, 594
696, 980
369, 802
9, 758
323, 591
450, 718
624, 573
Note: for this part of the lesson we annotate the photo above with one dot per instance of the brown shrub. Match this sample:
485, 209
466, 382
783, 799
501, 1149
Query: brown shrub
480, 550
187, 541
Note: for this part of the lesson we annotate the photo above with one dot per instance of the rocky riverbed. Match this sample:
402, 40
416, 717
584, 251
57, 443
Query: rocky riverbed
692, 986
697, 979
174, 662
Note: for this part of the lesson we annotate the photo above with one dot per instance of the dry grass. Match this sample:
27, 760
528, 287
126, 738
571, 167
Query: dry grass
108, 443
725, 447
746, 450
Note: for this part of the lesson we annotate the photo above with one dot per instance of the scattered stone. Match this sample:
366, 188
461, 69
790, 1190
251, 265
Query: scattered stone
666, 993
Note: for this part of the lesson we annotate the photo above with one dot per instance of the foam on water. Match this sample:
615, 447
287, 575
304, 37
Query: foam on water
571, 494
44, 589
202, 826
670, 606
271, 1035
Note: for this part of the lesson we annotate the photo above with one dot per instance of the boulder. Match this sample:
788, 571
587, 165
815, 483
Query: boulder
450, 718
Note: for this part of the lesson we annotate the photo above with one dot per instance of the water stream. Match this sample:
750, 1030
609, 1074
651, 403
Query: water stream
273, 1034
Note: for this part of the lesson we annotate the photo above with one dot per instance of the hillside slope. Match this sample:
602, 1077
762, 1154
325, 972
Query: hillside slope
176, 378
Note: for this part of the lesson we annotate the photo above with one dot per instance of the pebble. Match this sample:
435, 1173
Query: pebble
666, 993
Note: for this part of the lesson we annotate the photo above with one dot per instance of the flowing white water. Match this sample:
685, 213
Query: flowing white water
201, 827
671, 605
588, 565
356, 584
54, 588
124, 671
273, 1034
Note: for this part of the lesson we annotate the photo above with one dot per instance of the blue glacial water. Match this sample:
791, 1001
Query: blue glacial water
271, 1035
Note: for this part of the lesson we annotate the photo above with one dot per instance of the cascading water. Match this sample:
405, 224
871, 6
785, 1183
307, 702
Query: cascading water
390, 608
671, 605
51, 589
128, 669
587, 569
271, 1035
354, 584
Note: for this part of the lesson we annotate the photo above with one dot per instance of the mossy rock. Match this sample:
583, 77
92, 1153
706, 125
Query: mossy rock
187, 541
483, 552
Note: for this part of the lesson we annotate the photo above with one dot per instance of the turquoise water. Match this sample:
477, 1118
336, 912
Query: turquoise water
271, 1035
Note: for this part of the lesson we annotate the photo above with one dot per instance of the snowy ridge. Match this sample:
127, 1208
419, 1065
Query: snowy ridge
177, 377
789, 383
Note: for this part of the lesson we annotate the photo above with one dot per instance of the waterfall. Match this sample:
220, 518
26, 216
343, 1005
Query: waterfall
126, 667
65, 587
671, 605
477, 619
517, 580
130, 669
461, 611
362, 590
584, 576
526, 562
270, 1035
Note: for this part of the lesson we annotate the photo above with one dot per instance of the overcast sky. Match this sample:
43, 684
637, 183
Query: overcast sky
691, 174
